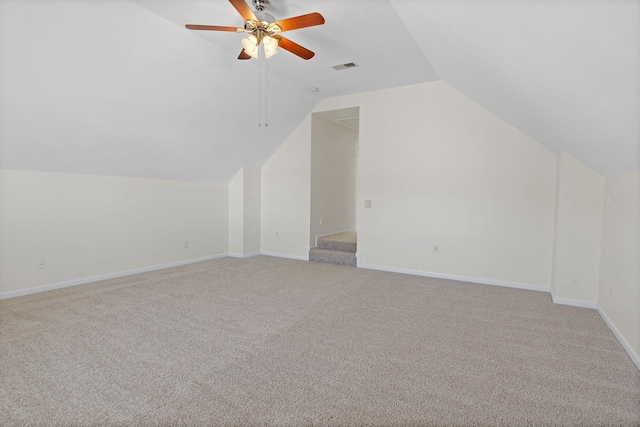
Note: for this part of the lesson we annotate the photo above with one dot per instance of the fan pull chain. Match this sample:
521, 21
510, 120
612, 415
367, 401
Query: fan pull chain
259, 87
263, 66
266, 93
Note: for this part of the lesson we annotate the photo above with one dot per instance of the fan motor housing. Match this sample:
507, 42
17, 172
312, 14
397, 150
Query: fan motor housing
260, 5
265, 17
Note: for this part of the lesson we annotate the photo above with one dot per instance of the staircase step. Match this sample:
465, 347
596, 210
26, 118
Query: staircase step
332, 256
337, 245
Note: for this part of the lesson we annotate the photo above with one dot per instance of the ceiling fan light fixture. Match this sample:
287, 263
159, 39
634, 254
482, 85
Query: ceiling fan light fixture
250, 45
262, 26
270, 46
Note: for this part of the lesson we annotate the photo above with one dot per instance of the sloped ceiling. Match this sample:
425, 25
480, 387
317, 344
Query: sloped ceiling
564, 72
120, 87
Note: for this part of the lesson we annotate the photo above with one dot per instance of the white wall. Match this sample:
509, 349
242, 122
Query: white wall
286, 187
578, 230
619, 291
333, 177
236, 214
251, 213
440, 169
136, 85
244, 213
87, 225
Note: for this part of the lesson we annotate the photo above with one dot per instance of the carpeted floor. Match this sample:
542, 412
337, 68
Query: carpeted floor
267, 341
346, 237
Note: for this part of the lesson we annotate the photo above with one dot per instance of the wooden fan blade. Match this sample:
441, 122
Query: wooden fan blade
302, 21
244, 55
243, 9
214, 28
294, 48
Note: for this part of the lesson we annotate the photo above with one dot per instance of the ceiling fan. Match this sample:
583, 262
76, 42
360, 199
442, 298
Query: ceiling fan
264, 30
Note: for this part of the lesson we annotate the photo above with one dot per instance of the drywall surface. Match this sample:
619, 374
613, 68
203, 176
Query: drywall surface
563, 72
285, 195
619, 291
579, 204
141, 88
251, 212
333, 177
244, 212
87, 225
442, 170
236, 214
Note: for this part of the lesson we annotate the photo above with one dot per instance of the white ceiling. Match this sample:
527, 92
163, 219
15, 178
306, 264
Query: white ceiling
120, 87
564, 72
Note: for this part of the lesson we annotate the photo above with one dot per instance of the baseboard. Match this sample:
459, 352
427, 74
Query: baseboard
525, 286
85, 280
572, 302
623, 342
242, 256
287, 256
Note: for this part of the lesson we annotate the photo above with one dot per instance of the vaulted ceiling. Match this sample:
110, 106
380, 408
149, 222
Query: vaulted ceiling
120, 87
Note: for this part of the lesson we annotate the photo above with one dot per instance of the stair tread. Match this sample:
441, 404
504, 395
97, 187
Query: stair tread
338, 248
333, 251
332, 256
337, 245
346, 237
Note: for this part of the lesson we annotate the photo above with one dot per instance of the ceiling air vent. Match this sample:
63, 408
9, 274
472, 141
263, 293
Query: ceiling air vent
344, 66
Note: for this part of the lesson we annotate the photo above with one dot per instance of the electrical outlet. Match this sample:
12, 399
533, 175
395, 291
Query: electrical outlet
277, 235
41, 264
367, 203
436, 248
186, 244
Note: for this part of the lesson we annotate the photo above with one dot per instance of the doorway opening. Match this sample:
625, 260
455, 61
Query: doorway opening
334, 164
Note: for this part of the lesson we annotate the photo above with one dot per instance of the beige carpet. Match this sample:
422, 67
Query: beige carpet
267, 341
347, 237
